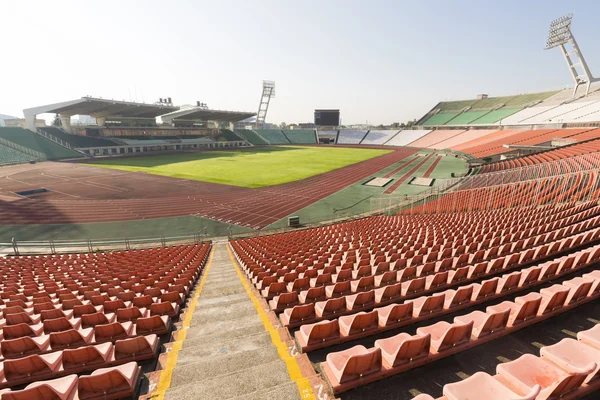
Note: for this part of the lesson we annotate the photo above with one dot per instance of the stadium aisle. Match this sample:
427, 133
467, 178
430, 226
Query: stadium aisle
227, 353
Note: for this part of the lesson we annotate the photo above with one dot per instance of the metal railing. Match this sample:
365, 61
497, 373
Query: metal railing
54, 139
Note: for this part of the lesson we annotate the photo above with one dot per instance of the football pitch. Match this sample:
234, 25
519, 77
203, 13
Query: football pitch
246, 167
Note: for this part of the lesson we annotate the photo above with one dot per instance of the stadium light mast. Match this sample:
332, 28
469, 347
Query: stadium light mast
268, 91
559, 35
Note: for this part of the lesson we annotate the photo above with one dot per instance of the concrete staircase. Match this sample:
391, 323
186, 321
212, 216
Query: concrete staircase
227, 353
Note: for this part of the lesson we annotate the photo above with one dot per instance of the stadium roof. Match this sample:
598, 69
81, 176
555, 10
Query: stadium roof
103, 108
204, 114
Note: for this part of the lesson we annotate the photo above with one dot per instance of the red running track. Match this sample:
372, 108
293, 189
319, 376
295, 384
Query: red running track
400, 181
432, 167
82, 194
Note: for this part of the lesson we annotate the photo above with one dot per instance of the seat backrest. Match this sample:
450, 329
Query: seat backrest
494, 322
456, 334
361, 364
321, 331
529, 308
415, 347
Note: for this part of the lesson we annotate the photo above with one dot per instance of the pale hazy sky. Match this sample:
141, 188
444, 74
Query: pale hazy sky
381, 61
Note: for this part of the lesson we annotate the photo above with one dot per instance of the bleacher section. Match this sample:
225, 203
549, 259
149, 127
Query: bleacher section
485, 111
78, 140
466, 118
11, 156
455, 142
274, 136
495, 116
406, 136
350, 137
439, 119
344, 282
523, 138
331, 135
251, 137
229, 136
566, 368
80, 326
301, 136
379, 137
434, 137
33, 141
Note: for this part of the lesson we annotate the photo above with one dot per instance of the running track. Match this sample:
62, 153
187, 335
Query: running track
160, 197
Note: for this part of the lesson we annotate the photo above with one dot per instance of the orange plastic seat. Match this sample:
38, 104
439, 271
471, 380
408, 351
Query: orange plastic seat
138, 348
445, 335
354, 363
485, 323
331, 307
32, 367
21, 330
71, 338
554, 297
428, 305
527, 371
403, 348
573, 357
91, 320
82, 358
112, 332
56, 389
169, 309
590, 337
109, 383
483, 386
131, 314
524, 308
61, 324
358, 323
156, 324
24, 346
320, 332
394, 313
298, 314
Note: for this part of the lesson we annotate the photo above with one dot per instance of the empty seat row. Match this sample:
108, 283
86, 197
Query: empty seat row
358, 365
20, 371
104, 383
329, 332
567, 369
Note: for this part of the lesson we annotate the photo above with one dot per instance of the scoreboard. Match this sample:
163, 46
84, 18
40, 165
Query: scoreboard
327, 117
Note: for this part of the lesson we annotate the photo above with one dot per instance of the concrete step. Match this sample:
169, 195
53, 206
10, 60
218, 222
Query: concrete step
235, 384
287, 391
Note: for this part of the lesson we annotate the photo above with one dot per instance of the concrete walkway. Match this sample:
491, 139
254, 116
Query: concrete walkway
227, 353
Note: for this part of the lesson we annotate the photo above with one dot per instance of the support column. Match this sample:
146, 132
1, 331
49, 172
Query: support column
65, 121
30, 122
100, 121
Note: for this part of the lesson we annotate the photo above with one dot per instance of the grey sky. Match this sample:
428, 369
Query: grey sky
381, 61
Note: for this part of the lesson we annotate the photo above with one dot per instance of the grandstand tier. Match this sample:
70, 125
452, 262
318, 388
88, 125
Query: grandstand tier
379, 137
274, 136
407, 136
78, 140
33, 141
300, 136
251, 137
9, 155
350, 136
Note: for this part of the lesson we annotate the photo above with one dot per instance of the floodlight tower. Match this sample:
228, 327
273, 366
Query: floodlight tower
559, 35
268, 92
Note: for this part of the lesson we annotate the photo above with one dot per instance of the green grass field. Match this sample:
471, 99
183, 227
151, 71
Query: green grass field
248, 167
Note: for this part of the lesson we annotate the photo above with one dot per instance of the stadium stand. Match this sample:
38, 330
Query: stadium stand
98, 313
466, 118
11, 156
523, 137
495, 116
564, 113
439, 119
526, 113
301, 136
566, 369
251, 137
484, 111
351, 137
561, 153
379, 137
274, 136
229, 136
33, 141
78, 140
406, 136
434, 137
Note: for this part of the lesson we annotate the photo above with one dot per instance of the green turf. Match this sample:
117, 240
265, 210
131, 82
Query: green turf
249, 167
